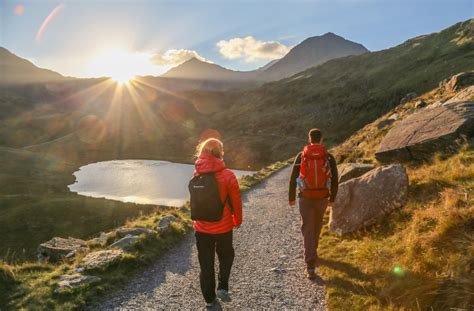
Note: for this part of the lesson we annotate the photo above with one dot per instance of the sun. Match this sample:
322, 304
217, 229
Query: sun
120, 65
122, 78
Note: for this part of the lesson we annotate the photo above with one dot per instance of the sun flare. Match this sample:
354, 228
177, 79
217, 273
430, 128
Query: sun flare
122, 78
120, 65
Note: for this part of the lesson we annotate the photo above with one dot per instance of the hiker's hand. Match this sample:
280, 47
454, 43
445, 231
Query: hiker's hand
330, 203
292, 203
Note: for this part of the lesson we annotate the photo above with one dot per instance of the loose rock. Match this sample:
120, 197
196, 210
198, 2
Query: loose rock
364, 200
75, 280
165, 222
352, 170
59, 248
101, 240
407, 98
135, 231
101, 259
126, 243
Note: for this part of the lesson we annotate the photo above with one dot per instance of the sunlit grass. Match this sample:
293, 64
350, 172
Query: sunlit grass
31, 285
420, 256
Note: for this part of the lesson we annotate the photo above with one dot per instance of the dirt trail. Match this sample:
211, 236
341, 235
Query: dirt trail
268, 271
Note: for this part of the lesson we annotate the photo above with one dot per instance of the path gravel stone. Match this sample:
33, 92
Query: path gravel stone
268, 271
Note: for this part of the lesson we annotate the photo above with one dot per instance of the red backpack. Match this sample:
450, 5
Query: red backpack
315, 172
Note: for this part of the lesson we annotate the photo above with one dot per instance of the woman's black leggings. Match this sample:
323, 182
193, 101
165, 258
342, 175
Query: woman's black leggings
207, 246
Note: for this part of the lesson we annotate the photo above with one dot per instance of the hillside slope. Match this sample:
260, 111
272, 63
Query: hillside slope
419, 257
341, 95
259, 126
16, 70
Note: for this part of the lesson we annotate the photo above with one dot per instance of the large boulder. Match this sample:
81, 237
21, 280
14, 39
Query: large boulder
364, 200
71, 281
430, 130
352, 170
101, 259
58, 248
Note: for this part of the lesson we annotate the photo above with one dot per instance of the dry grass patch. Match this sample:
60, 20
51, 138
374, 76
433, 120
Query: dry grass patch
419, 257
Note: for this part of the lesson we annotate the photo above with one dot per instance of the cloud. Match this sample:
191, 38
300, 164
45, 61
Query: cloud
250, 49
174, 57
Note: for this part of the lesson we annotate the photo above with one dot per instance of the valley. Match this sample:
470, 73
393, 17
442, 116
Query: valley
52, 125
50, 129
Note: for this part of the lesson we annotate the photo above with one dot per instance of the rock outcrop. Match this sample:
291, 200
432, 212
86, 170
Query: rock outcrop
459, 81
352, 170
58, 248
101, 259
420, 104
126, 243
427, 131
135, 231
71, 281
101, 240
165, 222
364, 200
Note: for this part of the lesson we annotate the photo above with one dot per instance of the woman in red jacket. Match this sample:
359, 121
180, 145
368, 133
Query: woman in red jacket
216, 237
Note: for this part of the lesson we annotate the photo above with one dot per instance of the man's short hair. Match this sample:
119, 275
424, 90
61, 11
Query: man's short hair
315, 136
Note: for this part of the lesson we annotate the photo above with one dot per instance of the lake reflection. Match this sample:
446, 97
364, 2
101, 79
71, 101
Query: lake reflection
139, 181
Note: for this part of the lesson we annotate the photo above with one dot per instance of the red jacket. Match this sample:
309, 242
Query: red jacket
228, 185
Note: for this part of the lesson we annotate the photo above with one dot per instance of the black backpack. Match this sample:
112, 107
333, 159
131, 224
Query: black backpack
205, 200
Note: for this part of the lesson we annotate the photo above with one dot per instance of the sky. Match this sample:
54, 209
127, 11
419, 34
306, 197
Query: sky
85, 38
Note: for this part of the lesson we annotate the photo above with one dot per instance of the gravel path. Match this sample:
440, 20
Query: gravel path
268, 270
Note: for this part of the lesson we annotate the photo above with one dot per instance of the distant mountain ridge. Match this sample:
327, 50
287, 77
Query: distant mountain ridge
197, 74
201, 70
17, 70
311, 52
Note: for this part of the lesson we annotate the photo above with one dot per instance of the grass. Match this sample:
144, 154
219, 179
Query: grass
421, 257
259, 126
340, 96
31, 285
36, 205
246, 182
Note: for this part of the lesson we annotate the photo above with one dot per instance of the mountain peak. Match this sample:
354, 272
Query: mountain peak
194, 60
330, 34
197, 69
313, 52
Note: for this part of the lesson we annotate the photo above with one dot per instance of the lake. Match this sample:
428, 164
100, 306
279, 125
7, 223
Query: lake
138, 181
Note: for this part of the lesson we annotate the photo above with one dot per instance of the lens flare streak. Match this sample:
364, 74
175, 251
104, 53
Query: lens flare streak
47, 21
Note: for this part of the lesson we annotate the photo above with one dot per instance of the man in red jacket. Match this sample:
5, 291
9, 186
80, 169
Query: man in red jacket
312, 208
216, 237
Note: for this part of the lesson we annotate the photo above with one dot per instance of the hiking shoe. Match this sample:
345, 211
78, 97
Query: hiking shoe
310, 274
211, 304
223, 295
